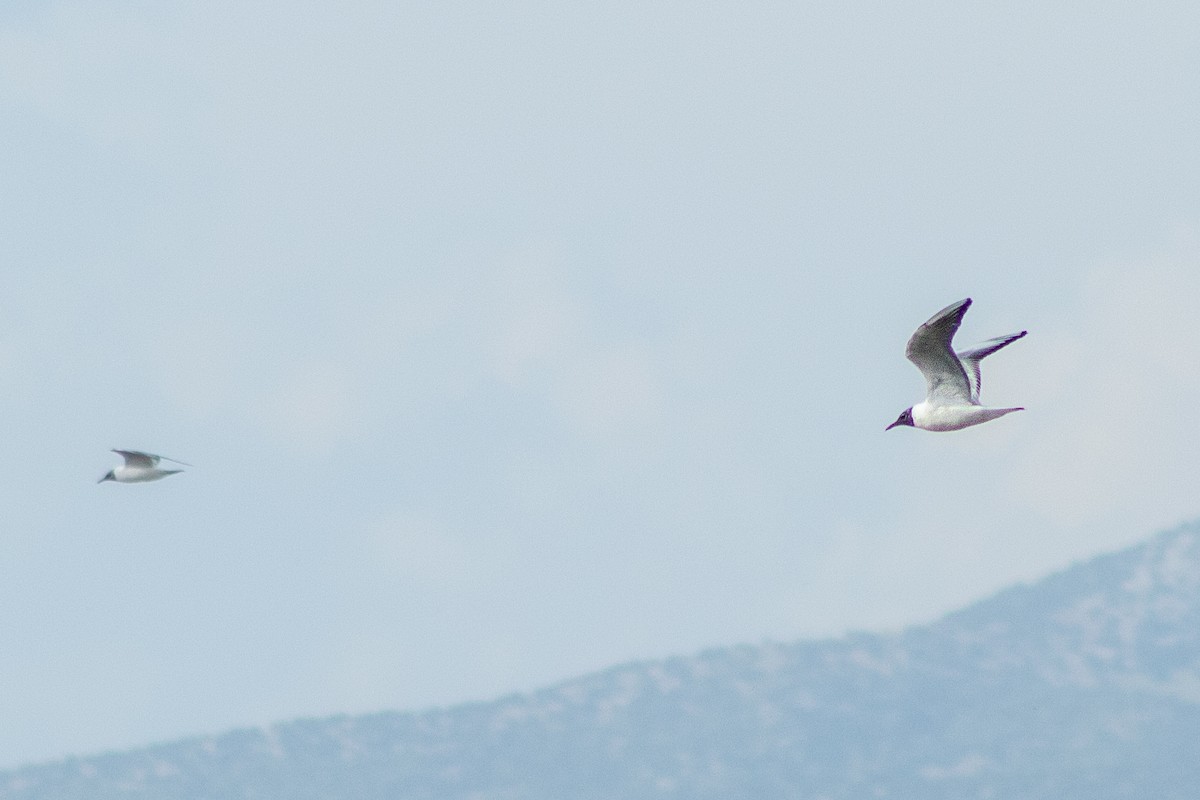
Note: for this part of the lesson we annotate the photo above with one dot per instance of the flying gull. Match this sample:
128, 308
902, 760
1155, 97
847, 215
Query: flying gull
952, 379
139, 468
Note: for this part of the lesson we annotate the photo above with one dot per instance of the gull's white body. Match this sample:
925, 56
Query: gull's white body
139, 467
931, 417
141, 474
952, 379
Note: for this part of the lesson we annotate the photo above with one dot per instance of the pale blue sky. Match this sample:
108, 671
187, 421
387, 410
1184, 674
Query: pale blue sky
513, 340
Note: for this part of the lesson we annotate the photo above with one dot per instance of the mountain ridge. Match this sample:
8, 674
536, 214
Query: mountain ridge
1085, 683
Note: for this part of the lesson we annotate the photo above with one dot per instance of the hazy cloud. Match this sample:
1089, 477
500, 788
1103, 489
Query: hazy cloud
1114, 386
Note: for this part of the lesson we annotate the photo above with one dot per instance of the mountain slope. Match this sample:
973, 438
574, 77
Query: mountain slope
1084, 685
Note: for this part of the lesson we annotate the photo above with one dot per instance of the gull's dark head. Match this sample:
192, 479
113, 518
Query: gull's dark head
108, 477
904, 419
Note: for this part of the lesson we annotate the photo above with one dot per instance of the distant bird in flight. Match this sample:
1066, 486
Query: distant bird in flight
139, 468
952, 379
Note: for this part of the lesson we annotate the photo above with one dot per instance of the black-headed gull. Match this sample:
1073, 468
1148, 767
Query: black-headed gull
952, 379
139, 468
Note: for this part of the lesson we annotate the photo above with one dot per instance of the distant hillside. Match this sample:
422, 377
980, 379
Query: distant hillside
1084, 686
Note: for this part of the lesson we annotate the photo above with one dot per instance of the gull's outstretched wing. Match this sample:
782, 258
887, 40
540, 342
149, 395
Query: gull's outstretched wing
970, 359
136, 458
929, 348
133, 458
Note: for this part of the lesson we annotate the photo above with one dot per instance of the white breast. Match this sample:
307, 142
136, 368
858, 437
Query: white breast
954, 417
136, 474
946, 417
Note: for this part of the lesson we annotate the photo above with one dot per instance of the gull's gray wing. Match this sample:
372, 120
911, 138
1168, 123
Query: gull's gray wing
929, 348
970, 359
134, 458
